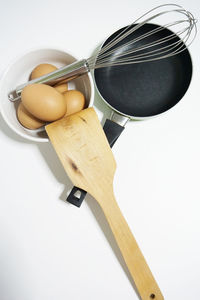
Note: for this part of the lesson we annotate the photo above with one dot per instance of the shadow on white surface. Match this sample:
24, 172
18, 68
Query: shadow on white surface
13, 281
11, 134
54, 164
9, 286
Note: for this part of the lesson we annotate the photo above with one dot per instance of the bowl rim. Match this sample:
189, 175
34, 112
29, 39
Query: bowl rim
14, 61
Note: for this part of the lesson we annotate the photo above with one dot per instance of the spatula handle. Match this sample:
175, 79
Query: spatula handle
134, 259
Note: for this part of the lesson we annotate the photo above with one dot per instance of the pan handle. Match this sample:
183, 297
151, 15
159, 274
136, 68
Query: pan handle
112, 131
113, 128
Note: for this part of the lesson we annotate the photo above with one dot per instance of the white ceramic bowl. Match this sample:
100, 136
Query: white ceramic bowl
18, 73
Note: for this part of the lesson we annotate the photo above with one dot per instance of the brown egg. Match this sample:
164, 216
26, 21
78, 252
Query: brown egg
41, 70
26, 119
44, 102
61, 88
75, 101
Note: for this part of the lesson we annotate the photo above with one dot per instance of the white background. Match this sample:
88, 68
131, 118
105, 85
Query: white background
51, 250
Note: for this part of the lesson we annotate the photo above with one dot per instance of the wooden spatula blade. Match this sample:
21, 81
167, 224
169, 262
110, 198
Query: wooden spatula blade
81, 145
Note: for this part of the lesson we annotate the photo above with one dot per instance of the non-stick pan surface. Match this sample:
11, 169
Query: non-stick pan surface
145, 89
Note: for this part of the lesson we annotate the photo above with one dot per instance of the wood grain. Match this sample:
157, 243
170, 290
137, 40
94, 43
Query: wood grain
83, 149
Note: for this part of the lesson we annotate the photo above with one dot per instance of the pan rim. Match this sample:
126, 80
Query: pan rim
131, 117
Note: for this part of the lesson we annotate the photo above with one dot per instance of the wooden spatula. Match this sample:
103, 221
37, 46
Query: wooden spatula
84, 151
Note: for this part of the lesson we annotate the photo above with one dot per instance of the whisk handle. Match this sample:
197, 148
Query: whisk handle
65, 73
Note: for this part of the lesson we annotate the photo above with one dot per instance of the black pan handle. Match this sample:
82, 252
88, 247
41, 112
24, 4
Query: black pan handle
112, 131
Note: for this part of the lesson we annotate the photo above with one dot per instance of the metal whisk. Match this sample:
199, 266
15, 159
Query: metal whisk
126, 46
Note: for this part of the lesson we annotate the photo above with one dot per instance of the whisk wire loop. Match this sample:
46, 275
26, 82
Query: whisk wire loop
129, 46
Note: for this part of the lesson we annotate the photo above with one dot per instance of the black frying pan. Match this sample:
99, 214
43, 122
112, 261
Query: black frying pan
142, 90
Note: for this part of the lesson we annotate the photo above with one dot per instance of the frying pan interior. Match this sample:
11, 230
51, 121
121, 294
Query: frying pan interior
145, 89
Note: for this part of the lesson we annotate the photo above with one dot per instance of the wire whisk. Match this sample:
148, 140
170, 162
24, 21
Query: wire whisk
136, 43
184, 32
